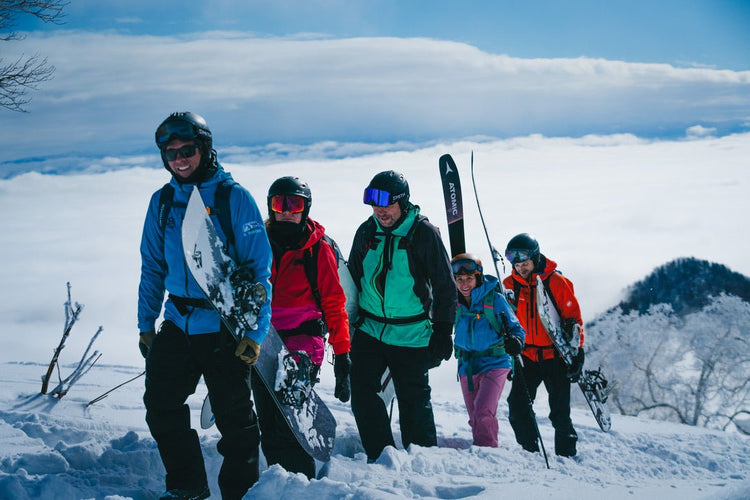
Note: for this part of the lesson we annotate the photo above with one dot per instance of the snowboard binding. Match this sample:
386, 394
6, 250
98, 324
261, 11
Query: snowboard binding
594, 381
295, 379
248, 298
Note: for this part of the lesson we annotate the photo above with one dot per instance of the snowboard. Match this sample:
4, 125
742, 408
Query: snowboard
312, 423
592, 383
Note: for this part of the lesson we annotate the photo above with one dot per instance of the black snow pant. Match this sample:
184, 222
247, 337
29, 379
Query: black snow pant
174, 366
409, 367
552, 372
276, 437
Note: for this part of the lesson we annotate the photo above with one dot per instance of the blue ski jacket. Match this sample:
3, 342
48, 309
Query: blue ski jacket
163, 266
474, 333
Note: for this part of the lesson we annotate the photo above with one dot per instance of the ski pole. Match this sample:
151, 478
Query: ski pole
102, 396
495, 258
519, 373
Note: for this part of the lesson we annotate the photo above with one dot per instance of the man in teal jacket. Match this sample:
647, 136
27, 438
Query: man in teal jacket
192, 341
407, 305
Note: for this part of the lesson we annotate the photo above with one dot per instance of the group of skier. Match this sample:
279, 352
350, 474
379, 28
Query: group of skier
411, 299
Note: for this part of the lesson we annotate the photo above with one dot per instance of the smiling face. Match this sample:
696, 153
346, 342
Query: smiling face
181, 166
524, 268
465, 284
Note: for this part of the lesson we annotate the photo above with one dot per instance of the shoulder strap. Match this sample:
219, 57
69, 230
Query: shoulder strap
222, 210
488, 309
551, 296
166, 198
310, 263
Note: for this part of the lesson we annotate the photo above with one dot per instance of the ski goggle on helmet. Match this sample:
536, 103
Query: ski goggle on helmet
517, 255
380, 197
466, 264
287, 203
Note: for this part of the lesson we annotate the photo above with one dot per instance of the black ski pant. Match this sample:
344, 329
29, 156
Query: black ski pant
409, 367
276, 437
551, 372
174, 366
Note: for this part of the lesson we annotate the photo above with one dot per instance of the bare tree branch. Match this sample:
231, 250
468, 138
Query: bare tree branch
23, 75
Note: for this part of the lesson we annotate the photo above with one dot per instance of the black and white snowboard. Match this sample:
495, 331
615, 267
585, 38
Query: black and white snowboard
311, 422
592, 383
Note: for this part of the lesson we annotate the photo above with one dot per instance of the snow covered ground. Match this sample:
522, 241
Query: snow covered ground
54, 449
608, 209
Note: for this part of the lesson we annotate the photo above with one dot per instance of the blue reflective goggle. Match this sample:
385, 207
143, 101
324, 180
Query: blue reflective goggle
466, 266
377, 197
174, 129
515, 256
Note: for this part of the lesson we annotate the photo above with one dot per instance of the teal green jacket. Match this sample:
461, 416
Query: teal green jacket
404, 279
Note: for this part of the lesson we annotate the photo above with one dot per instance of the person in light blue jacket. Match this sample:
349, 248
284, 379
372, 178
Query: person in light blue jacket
191, 341
487, 334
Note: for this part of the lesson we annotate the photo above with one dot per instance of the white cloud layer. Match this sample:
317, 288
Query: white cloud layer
111, 90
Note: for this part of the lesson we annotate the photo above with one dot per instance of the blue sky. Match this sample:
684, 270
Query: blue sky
329, 71
714, 33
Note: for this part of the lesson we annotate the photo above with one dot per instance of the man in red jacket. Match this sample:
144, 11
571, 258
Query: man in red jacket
541, 362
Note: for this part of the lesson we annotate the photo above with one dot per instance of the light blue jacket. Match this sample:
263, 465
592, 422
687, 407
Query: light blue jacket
163, 266
474, 332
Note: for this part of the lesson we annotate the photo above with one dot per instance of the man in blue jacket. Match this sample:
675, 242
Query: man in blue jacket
191, 341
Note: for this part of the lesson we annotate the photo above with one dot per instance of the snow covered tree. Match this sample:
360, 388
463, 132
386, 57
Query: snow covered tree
692, 368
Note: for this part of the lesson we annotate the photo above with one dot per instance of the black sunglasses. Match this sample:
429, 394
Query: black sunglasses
187, 151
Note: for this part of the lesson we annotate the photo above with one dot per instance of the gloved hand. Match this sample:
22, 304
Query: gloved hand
575, 369
248, 350
341, 367
441, 342
513, 345
145, 341
571, 331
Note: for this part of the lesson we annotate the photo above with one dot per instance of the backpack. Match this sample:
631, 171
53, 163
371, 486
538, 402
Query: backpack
310, 263
220, 209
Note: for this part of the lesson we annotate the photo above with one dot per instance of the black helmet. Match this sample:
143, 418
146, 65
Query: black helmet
387, 188
290, 185
522, 247
188, 126
467, 263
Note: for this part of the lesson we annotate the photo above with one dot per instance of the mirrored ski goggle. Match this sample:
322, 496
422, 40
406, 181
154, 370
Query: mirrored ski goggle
177, 128
380, 197
515, 256
466, 266
377, 197
287, 203
187, 151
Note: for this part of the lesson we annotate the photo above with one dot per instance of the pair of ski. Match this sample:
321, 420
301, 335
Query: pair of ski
592, 383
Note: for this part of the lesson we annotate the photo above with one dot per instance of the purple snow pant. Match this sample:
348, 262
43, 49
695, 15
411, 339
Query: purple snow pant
482, 404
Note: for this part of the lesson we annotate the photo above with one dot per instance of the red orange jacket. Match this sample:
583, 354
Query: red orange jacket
538, 344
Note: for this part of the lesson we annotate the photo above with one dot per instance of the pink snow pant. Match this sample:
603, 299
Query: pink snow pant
482, 404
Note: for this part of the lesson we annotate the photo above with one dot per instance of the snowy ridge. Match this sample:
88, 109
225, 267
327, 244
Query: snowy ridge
55, 449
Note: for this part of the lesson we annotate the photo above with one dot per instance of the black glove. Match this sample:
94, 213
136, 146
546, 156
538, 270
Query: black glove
513, 345
341, 367
441, 342
576, 368
568, 327
145, 341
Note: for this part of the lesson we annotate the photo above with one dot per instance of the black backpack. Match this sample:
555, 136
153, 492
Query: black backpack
220, 208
